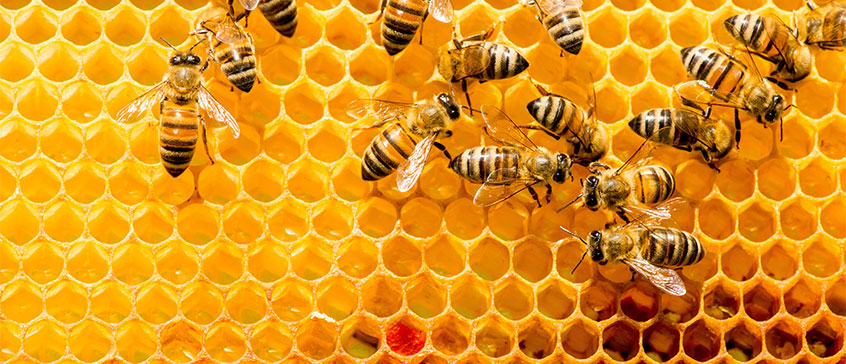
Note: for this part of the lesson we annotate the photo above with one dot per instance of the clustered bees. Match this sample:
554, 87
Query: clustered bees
638, 191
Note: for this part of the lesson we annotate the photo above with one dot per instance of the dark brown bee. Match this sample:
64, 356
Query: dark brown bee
281, 14
685, 130
507, 170
481, 60
824, 26
563, 20
180, 96
403, 17
229, 45
769, 38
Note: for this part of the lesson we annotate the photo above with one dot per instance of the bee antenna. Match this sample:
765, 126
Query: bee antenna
195, 45
471, 109
568, 205
574, 234
168, 43
579, 263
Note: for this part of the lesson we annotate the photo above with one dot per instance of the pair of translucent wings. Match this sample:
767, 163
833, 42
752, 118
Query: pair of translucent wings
207, 102
409, 171
792, 37
249, 5
666, 279
228, 31
441, 10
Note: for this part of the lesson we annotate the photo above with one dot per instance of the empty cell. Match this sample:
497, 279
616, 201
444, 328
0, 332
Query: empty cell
325, 65
556, 299
66, 301
513, 299
223, 262
580, 339
132, 264
246, 302
648, 95
9, 263
598, 301
688, 29
761, 302
346, 30
537, 340
779, 261
508, 221
426, 297
798, 220
776, 179
177, 262
304, 103
283, 142
281, 64
144, 146
43, 261
80, 26
218, 184
739, 263
18, 140
439, 182
89, 341
328, 143
489, 259
612, 96
333, 220
451, 335
381, 296
292, 300
40, 181
45, 341
84, 181
225, 342
816, 107
494, 338
135, 341
784, 339
110, 302
10, 336
263, 180
743, 341
695, 180
103, 64
816, 179
181, 341
756, 222
825, 338
361, 338
126, 27
831, 138
238, 151
414, 66
172, 190
147, 64
59, 61
358, 257
628, 66
613, 24
18, 222
37, 100
288, 220
167, 23
532, 260
821, 257
546, 222
197, 223
376, 217
201, 302
63, 221
803, 299
547, 63
87, 262
639, 301
21, 301
736, 180
700, 341
464, 219
835, 297
667, 5
18, 63
666, 67
421, 217
716, 219
267, 261
721, 300
801, 140
470, 297
35, 24
271, 340
340, 97
445, 256
128, 183
619, 341
156, 303
370, 66
337, 298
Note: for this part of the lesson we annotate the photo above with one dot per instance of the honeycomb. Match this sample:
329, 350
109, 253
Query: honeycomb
279, 251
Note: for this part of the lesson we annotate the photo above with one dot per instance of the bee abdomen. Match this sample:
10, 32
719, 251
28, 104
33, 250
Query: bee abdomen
505, 62
749, 29
659, 125
281, 14
402, 18
567, 29
671, 248
386, 152
654, 184
477, 164
715, 69
552, 112
834, 29
239, 66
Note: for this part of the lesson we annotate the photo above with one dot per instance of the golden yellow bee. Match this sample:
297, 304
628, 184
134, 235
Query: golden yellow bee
481, 60
769, 38
229, 45
560, 117
563, 21
505, 171
281, 14
649, 250
685, 130
403, 17
824, 26
722, 80
405, 143
180, 96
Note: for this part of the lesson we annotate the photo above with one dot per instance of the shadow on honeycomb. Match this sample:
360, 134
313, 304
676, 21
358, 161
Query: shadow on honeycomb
284, 253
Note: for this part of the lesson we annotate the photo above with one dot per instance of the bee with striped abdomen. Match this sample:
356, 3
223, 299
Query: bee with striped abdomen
560, 117
481, 60
229, 45
505, 171
180, 95
722, 80
281, 14
405, 143
685, 130
652, 251
402, 18
769, 38
563, 21
824, 26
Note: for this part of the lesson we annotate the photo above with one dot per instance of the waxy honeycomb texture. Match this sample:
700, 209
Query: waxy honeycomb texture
284, 253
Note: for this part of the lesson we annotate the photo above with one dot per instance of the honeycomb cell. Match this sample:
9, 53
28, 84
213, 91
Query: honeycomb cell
831, 138
45, 341
245, 302
18, 222
201, 302
181, 341
35, 24
736, 180
470, 297
328, 143
198, 224
358, 258
316, 338
177, 262
308, 181
304, 102
361, 338
21, 301
37, 100
598, 301
381, 296
267, 261
776, 179
700, 341
425, 297
18, 64
103, 64
489, 259
532, 260
111, 303
537, 340
495, 338
513, 299
291, 300
19, 140
63, 221
816, 179
445, 256
101, 139
736, 263
126, 26
10, 337
43, 261
9, 263
721, 300
156, 303
421, 217
508, 221
798, 220
285, 61
238, 151
619, 341
451, 335
59, 62
613, 24
687, 29
801, 141
639, 301
761, 302
8, 182
87, 262
803, 299
661, 341
147, 64
89, 341
628, 66
695, 180
648, 29
784, 339
743, 341
288, 221
666, 68
825, 338
218, 184
135, 341
777, 262
270, 341
40, 181
756, 222
225, 342
61, 141
223, 263
166, 23
333, 220
132, 264
336, 298
80, 26
815, 107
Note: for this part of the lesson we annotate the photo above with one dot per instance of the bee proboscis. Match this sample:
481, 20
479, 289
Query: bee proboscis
686, 130
180, 96
229, 45
402, 18
769, 38
563, 21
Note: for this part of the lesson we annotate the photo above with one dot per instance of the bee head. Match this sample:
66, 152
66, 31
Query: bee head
591, 200
594, 248
185, 58
775, 110
563, 169
450, 105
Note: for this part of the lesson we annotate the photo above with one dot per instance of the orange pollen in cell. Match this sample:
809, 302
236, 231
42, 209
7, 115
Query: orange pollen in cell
405, 340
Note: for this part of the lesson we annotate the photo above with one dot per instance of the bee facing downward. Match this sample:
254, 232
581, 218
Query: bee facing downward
180, 96
229, 45
507, 170
563, 21
404, 17
824, 26
405, 144
769, 38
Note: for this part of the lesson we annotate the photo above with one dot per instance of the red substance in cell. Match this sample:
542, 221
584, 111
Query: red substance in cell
405, 340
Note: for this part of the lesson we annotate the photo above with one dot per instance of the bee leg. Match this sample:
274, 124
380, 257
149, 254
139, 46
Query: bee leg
425, 15
780, 84
231, 8
442, 148
534, 194
736, 128
381, 12
548, 193
206, 140
622, 215
246, 16
535, 127
634, 274
467, 95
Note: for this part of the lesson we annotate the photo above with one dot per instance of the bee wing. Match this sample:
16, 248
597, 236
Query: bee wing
142, 103
690, 128
475, 60
547, 6
217, 111
503, 129
383, 109
664, 278
229, 32
493, 192
642, 155
441, 10
249, 4
653, 216
409, 171
700, 92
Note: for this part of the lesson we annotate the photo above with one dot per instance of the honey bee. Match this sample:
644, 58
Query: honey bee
824, 26
769, 38
281, 14
180, 95
685, 130
722, 80
505, 171
405, 144
652, 251
563, 21
560, 117
229, 45
481, 60
403, 17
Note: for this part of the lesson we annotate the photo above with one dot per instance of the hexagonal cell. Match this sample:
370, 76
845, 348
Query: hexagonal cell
798, 219
241, 150
361, 338
19, 140
126, 27
263, 180
776, 179
784, 339
147, 64
401, 256
267, 261
80, 26
218, 184
328, 143
132, 264
225, 342
406, 336
825, 338
308, 181
445, 256
639, 301
85, 182
103, 64
111, 302
43, 261
332, 220
801, 141
243, 221
803, 299
816, 179
648, 29
197, 223
619, 341
304, 102
761, 302
88, 262
580, 339
285, 61
337, 298
357, 258
346, 30
687, 29
695, 179
721, 300
135, 341
201, 302
152, 222
177, 262
89, 341
532, 260
348, 185
629, 66
37, 100
421, 217
508, 221
63, 221
35, 24
40, 181
739, 263
101, 139
743, 341
816, 107
156, 303
21, 301
598, 301
223, 262
292, 300
288, 220
181, 341
700, 341
831, 138
756, 222
494, 338
19, 63
271, 341
513, 299
316, 338
245, 302
381, 296
736, 180
470, 297
821, 258
170, 24
45, 341
614, 25
537, 340
451, 335
59, 61
777, 262
425, 297
661, 341
18, 222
